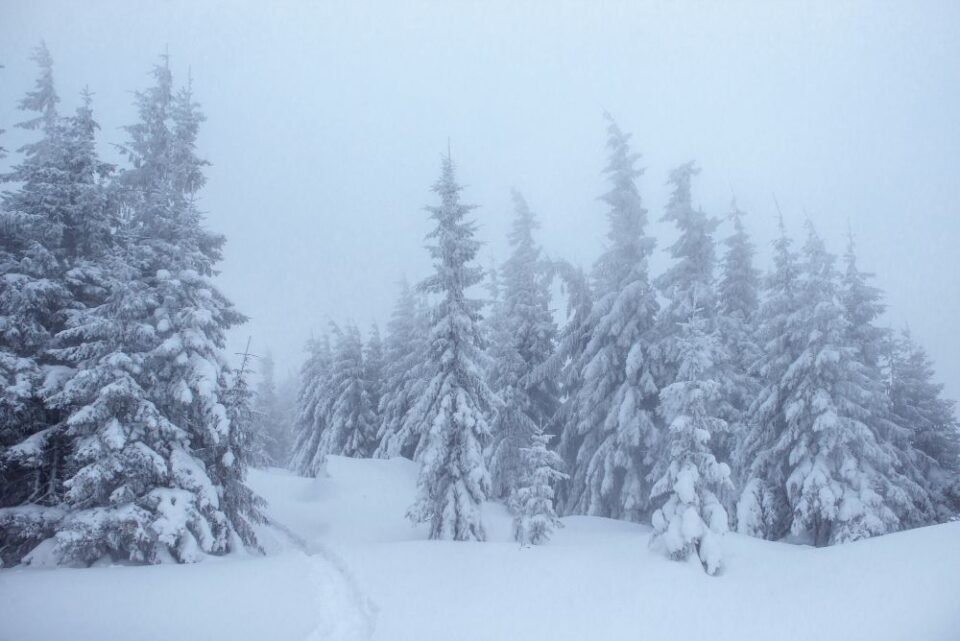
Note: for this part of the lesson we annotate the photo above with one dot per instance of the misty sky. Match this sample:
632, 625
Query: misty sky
327, 121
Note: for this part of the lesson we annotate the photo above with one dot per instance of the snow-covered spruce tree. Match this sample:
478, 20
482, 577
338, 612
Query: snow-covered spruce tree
455, 404
572, 338
157, 463
243, 507
862, 306
351, 426
313, 408
762, 509
511, 427
737, 305
690, 360
932, 449
526, 302
688, 285
522, 339
271, 427
819, 470
609, 427
32, 295
56, 234
373, 375
533, 500
405, 363
288, 389
691, 518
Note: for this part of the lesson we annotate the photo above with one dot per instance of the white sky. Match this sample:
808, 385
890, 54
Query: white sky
327, 121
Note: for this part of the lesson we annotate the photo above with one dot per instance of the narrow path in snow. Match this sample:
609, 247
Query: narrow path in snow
356, 624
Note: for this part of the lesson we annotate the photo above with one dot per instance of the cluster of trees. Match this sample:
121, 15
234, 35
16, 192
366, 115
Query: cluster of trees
124, 434
705, 397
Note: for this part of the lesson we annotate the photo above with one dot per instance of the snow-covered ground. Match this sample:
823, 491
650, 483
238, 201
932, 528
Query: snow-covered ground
349, 566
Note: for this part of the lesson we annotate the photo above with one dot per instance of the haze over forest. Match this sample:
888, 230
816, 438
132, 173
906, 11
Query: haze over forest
326, 123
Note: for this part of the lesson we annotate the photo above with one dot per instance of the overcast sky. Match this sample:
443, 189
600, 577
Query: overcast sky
327, 121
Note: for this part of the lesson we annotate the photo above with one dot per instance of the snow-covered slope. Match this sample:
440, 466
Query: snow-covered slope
352, 567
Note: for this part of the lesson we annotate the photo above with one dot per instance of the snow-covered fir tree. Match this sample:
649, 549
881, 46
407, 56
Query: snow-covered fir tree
288, 389
738, 300
351, 428
373, 375
455, 404
762, 509
57, 237
691, 518
156, 465
572, 338
533, 500
242, 505
511, 427
272, 431
928, 424
688, 284
690, 360
33, 294
405, 363
819, 469
521, 340
862, 306
609, 427
313, 408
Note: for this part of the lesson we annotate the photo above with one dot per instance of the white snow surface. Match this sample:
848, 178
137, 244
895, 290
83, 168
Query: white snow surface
348, 565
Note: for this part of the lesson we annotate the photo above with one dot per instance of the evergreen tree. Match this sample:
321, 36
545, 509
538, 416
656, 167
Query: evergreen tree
691, 519
313, 408
762, 509
738, 304
862, 306
819, 469
609, 432
511, 427
403, 375
242, 506
521, 340
572, 339
456, 402
526, 299
33, 295
157, 467
57, 234
931, 448
535, 517
373, 375
690, 359
288, 390
688, 285
272, 433
351, 428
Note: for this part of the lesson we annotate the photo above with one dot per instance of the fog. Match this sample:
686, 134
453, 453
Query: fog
327, 121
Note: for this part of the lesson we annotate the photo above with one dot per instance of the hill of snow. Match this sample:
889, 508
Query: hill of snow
346, 564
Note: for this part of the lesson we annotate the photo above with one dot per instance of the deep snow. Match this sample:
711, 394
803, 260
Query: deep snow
349, 566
